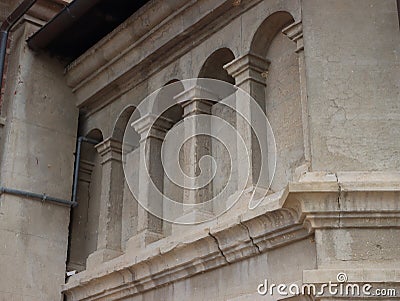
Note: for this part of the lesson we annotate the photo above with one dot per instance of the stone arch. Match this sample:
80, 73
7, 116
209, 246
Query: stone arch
127, 210
267, 31
213, 67
169, 91
121, 122
85, 217
174, 115
95, 134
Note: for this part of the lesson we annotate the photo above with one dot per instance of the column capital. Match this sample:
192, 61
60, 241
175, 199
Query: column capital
295, 33
197, 92
109, 149
152, 125
248, 67
197, 100
85, 170
196, 107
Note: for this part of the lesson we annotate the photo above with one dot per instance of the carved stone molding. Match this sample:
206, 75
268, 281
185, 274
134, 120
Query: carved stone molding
85, 170
109, 149
248, 67
347, 200
152, 126
90, 71
295, 32
318, 201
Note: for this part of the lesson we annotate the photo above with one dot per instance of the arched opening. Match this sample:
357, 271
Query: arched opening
282, 95
85, 216
174, 114
213, 68
268, 30
128, 211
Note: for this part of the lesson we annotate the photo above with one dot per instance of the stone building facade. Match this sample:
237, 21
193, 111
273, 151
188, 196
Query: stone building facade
325, 73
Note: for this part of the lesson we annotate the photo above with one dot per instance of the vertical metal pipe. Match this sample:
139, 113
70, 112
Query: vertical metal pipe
77, 163
5, 29
3, 47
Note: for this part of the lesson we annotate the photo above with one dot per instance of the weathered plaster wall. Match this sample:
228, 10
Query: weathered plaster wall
40, 133
352, 59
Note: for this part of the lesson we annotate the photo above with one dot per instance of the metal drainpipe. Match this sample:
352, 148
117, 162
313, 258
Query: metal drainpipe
37, 196
5, 29
77, 163
44, 197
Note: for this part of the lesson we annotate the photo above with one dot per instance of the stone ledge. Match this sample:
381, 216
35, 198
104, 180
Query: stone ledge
176, 258
116, 49
292, 216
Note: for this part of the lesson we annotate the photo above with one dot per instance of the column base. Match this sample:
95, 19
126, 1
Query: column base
191, 219
100, 256
195, 217
142, 239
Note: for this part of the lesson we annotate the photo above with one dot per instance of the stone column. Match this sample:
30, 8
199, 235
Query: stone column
109, 229
295, 33
249, 72
152, 130
197, 101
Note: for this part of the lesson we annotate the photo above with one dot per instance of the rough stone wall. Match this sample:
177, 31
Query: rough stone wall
352, 59
39, 134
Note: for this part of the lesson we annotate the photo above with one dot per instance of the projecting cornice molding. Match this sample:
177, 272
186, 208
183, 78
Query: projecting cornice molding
295, 32
114, 65
248, 67
317, 200
90, 76
109, 149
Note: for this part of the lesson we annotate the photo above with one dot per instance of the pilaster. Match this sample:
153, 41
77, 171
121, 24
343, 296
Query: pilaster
295, 33
152, 130
197, 103
109, 230
250, 73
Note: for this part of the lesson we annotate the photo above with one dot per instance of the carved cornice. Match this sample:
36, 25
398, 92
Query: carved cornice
176, 258
93, 77
295, 32
110, 149
197, 92
196, 100
317, 200
347, 200
85, 170
248, 67
152, 126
